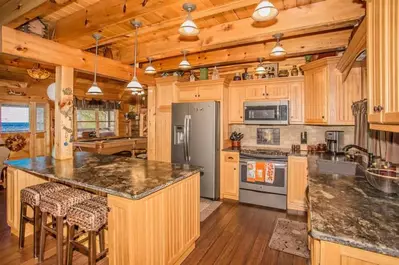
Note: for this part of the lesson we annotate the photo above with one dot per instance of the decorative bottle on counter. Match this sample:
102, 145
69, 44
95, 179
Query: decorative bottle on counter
237, 77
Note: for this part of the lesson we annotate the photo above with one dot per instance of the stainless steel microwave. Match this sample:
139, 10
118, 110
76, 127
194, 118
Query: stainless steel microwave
266, 112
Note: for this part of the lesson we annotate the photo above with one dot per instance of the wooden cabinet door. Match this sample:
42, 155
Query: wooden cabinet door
236, 105
188, 93
296, 96
209, 93
297, 183
164, 94
255, 92
316, 96
391, 104
230, 175
163, 135
345, 93
277, 91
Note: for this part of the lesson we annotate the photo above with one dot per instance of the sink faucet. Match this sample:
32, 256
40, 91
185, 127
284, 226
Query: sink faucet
350, 146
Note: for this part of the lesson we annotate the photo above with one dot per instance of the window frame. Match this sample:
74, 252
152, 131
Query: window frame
97, 121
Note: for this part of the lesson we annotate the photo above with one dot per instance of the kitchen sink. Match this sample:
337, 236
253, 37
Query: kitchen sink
340, 167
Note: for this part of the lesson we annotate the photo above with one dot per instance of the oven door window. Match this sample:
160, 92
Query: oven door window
261, 113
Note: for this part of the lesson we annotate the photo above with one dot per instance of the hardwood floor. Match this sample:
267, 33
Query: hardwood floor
233, 234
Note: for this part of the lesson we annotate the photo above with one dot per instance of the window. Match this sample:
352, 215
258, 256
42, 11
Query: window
40, 123
87, 121
15, 118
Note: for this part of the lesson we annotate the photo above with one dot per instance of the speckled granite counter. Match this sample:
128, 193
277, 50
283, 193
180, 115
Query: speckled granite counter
349, 211
120, 176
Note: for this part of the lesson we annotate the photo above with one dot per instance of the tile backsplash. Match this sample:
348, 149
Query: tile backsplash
291, 134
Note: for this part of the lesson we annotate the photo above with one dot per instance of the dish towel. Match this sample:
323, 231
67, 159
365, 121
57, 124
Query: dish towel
269, 172
260, 172
251, 168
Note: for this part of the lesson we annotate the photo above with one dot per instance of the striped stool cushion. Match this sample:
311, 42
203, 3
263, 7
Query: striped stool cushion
58, 203
89, 215
31, 195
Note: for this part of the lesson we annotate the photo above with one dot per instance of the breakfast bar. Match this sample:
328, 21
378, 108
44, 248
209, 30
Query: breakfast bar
154, 206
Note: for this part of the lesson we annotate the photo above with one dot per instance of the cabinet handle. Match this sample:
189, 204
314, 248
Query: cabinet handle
240, 117
263, 94
230, 157
234, 168
380, 108
322, 117
195, 95
198, 95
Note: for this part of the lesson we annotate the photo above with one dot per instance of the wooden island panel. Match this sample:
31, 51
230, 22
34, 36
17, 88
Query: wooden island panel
159, 229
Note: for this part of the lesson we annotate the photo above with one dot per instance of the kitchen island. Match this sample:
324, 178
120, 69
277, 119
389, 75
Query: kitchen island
349, 221
154, 206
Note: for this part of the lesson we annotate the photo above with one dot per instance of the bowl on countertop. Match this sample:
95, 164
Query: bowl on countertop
385, 180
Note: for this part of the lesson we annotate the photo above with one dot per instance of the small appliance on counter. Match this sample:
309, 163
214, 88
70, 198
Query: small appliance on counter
335, 142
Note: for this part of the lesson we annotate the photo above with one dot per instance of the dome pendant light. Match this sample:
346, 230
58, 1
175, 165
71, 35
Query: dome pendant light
260, 70
264, 11
134, 85
278, 50
189, 28
184, 65
150, 70
94, 89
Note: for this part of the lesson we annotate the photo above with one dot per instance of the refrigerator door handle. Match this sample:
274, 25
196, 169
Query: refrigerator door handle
188, 136
185, 138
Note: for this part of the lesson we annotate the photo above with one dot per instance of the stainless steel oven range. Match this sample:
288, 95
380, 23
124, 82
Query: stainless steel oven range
273, 194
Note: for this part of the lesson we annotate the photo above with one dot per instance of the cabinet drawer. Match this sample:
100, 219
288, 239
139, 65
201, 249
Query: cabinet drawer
231, 157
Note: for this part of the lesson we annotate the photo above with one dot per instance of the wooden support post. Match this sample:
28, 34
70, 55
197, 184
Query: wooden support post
64, 77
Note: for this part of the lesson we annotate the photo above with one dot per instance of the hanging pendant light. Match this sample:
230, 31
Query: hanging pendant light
278, 50
189, 28
264, 11
184, 65
134, 85
150, 70
94, 89
260, 70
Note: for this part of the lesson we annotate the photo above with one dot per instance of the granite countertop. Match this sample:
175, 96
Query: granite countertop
120, 176
349, 211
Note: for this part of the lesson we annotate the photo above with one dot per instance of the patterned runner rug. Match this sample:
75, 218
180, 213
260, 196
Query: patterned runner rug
207, 207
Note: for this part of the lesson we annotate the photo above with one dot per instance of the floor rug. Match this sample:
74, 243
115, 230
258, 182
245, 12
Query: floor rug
290, 237
207, 207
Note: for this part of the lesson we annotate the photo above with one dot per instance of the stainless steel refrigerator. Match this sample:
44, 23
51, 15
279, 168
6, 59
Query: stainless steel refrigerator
196, 141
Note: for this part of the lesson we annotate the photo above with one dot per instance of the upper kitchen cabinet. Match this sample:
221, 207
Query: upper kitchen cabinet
290, 88
203, 90
328, 99
383, 64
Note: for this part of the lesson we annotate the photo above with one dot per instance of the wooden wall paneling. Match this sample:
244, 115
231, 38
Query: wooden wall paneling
158, 229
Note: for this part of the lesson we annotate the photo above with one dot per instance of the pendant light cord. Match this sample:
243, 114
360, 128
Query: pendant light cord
135, 53
95, 63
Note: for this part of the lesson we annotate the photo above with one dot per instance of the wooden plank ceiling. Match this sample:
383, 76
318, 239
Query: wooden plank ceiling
228, 33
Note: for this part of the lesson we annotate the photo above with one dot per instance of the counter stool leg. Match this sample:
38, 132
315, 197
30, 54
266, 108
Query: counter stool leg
36, 231
22, 225
92, 247
70, 247
60, 239
42, 237
101, 236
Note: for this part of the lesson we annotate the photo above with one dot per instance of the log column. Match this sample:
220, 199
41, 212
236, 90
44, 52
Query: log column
64, 77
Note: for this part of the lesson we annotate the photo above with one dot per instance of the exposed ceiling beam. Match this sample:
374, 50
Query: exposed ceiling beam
14, 13
308, 44
104, 13
321, 16
174, 22
20, 44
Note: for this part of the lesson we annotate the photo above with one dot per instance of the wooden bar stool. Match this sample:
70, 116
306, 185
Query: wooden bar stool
90, 217
57, 204
31, 196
